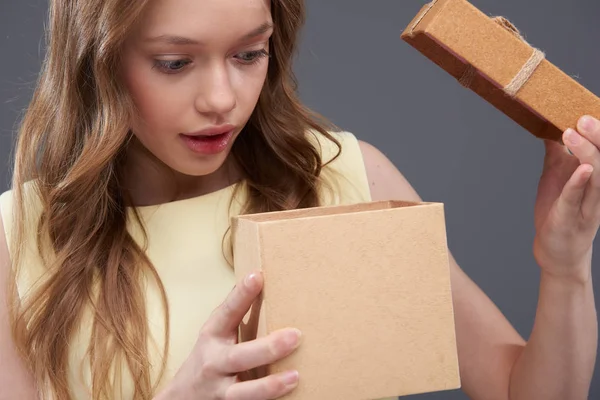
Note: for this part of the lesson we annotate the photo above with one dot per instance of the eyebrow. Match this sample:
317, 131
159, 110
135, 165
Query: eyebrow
183, 41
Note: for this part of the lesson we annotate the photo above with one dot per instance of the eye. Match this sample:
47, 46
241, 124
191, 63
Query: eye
170, 66
251, 57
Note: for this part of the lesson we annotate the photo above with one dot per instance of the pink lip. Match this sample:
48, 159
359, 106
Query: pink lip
209, 141
212, 131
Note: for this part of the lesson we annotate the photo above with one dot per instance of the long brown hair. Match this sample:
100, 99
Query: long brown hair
71, 144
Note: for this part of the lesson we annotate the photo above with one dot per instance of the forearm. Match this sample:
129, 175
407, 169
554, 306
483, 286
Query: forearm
558, 360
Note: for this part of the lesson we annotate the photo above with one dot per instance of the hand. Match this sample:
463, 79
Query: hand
213, 368
567, 211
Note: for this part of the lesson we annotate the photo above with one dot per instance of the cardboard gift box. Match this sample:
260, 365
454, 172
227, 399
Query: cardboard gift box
491, 57
369, 287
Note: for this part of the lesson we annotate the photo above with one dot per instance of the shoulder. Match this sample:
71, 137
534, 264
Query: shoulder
30, 204
15, 380
337, 146
5, 218
6, 208
382, 178
386, 182
365, 165
29, 195
343, 174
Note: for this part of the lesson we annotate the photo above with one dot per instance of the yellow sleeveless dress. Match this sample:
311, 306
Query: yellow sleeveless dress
185, 246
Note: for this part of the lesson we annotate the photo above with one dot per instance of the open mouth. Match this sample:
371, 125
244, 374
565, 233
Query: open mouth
208, 144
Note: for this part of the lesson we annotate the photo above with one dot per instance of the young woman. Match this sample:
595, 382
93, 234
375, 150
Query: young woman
153, 122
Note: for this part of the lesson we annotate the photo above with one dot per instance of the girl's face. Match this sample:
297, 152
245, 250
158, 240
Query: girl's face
195, 70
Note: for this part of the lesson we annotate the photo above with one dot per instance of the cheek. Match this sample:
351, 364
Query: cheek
248, 85
155, 102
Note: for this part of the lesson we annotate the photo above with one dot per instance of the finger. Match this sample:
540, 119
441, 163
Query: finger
589, 128
228, 316
267, 388
584, 144
569, 203
587, 153
259, 352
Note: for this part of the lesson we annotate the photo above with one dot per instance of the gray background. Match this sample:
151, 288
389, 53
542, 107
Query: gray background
451, 145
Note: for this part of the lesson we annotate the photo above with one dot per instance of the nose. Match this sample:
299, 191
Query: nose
216, 94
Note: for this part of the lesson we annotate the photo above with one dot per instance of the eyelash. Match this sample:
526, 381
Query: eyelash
166, 66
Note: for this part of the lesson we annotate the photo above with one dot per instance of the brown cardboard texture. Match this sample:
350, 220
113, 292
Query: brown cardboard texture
369, 287
491, 57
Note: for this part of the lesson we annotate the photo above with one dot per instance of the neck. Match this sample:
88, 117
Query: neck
149, 181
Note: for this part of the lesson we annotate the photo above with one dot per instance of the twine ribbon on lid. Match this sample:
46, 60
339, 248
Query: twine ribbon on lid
526, 71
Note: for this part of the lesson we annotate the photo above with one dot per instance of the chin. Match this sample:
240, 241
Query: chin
201, 167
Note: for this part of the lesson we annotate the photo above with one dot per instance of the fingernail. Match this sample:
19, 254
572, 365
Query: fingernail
250, 281
572, 137
587, 124
290, 378
293, 338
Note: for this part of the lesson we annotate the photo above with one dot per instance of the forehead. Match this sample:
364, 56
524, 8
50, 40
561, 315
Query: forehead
205, 20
